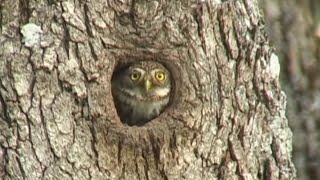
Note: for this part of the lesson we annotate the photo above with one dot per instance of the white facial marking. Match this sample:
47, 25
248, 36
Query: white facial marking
162, 92
140, 70
153, 72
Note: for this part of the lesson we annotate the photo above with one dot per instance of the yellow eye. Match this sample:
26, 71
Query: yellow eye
160, 76
135, 75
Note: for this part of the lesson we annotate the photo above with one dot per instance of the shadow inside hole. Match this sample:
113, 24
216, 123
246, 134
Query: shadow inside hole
136, 100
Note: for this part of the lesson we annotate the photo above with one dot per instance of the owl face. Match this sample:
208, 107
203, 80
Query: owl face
145, 81
141, 91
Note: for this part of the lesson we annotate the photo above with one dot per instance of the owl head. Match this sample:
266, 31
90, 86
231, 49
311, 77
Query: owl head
145, 80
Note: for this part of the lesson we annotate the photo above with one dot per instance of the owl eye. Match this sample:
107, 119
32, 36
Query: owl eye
160, 76
135, 75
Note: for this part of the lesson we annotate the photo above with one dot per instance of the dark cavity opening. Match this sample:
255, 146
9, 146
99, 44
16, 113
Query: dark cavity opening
141, 91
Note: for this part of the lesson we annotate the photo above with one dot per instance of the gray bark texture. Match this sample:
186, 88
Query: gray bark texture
226, 119
294, 29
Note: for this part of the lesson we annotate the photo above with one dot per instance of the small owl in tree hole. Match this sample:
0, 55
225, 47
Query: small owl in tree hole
141, 91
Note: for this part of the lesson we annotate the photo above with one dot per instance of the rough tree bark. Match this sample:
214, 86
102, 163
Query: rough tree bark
294, 29
226, 119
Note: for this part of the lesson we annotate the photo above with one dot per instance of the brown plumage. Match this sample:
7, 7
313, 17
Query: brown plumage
141, 91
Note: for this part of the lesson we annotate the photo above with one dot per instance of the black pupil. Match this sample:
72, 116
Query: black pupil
135, 75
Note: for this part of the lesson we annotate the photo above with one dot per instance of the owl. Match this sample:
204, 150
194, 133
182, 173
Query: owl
141, 91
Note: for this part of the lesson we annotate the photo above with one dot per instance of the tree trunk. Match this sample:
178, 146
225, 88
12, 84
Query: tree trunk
226, 118
294, 29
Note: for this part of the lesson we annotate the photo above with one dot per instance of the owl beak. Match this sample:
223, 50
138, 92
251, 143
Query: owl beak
147, 85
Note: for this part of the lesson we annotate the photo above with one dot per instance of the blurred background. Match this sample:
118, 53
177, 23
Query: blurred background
293, 27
